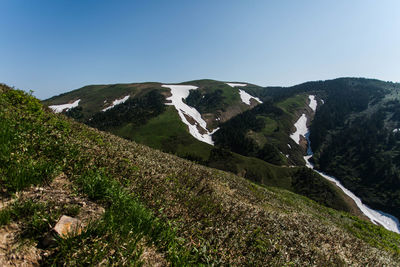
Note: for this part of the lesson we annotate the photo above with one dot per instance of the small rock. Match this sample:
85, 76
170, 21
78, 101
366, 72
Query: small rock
68, 226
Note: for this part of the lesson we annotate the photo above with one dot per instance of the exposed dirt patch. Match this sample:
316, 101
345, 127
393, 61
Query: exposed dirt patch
17, 252
152, 258
253, 102
193, 122
60, 191
233, 111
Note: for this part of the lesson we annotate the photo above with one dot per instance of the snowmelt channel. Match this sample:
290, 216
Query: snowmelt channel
377, 217
180, 92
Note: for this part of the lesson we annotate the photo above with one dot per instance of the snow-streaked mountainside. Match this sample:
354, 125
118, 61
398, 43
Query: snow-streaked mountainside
301, 123
246, 97
377, 217
186, 113
200, 124
64, 107
182, 119
116, 102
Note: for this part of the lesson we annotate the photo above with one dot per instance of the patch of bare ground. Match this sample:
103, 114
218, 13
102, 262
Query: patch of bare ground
15, 251
60, 192
151, 257
194, 122
232, 111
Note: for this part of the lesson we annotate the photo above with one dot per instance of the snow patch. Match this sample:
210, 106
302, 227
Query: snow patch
116, 102
246, 97
301, 128
313, 102
236, 84
60, 108
377, 217
180, 92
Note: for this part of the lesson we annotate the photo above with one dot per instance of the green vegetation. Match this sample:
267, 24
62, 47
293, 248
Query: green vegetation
206, 103
167, 132
293, 104
124, 224
40, 139
261, 132
31, 147
225, 95
353, 139
136, 111
190, 214
94, 98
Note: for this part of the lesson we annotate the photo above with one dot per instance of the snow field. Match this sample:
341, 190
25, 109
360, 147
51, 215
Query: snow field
313, 102
243, 94
301, 128
60, 108
116, 102
246, 97
180, 92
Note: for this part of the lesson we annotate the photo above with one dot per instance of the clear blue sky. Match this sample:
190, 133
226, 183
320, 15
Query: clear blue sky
55, 46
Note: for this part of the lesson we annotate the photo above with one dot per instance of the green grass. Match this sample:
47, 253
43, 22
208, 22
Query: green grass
191, 214
167, 132
270, 126
231, 95
278, 128
291, 104
35, 217
375, 235
21, 163
37, 143
93, 96
125, 222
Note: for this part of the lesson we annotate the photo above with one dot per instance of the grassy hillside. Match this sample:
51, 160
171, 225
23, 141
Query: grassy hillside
94, 98
145, 119
167, 133
185, 213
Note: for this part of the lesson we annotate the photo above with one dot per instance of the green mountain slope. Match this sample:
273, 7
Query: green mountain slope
145, 119
354, 134
187, 213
